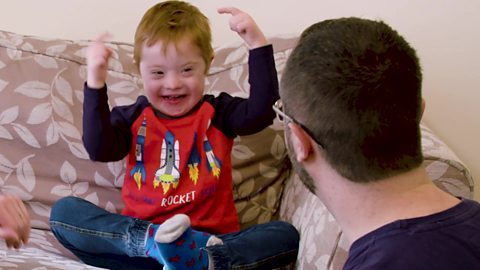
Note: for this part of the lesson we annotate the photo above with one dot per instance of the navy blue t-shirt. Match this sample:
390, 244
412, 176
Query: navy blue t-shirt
446, 240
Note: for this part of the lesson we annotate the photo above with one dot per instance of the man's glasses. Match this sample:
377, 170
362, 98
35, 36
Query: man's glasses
282, 116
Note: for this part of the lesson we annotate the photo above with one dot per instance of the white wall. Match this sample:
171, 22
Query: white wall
445, 33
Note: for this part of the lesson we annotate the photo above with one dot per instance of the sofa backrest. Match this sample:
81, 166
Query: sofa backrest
42, 157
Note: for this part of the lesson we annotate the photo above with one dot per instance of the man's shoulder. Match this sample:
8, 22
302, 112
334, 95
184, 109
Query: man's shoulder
446, 240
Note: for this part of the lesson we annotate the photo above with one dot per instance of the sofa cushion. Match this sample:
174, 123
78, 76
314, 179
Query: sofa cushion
42, 252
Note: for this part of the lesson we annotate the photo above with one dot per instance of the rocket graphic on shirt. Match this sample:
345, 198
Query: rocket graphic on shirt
194, 161
213, 163
168, 174
138, 172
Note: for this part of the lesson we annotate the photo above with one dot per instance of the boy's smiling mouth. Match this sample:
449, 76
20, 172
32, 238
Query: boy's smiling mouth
174, 98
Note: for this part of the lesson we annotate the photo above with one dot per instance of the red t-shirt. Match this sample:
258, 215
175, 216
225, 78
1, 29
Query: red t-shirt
180, 166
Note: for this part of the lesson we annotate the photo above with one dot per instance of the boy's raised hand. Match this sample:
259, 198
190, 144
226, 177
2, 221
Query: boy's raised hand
97, 62
245, 26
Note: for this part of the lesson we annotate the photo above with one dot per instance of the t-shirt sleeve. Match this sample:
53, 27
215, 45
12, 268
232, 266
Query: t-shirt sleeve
106, 134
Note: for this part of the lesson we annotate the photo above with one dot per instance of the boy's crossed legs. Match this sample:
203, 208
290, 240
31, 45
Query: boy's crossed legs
114, 241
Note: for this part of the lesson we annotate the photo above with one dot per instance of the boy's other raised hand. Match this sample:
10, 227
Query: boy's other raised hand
245, 26
97, 61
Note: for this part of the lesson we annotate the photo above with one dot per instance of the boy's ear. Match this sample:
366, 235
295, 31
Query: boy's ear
210, 64
301, 142
211, 60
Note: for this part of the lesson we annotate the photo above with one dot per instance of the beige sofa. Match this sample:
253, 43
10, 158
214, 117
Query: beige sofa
42, 157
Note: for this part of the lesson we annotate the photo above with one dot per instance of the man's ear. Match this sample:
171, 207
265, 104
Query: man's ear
301, 142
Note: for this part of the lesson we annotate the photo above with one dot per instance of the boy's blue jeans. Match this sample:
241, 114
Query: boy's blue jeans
114, 241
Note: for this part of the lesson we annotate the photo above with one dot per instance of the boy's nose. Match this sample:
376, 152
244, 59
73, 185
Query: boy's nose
173, 81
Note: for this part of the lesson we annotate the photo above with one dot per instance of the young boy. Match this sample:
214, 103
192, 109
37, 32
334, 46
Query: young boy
178, 144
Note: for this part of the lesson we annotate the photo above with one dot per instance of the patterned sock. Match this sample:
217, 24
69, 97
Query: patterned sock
176, 245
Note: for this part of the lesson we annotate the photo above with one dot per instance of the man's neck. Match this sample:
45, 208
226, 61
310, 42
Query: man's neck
362, 208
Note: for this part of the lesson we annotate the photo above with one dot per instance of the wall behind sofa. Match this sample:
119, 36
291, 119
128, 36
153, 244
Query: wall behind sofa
443, 31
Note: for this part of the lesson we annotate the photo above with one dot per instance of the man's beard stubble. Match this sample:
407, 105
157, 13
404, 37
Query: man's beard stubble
298, 169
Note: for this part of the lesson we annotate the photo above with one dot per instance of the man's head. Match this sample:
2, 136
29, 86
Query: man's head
170, 22
355, 84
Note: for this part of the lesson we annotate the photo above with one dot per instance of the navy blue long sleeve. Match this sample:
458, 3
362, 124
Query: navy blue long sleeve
245, 117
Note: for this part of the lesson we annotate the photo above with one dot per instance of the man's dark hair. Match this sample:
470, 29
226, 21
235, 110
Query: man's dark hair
356, 85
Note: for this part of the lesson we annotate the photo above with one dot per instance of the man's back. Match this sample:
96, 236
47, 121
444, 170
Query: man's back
446, 240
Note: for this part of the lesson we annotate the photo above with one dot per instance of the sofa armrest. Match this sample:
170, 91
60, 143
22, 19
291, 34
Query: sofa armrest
444, 167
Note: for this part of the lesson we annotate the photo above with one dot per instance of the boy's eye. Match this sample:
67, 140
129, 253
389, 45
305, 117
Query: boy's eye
187, 69
157, 72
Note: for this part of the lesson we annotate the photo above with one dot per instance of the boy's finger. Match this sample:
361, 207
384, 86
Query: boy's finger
229, 10
7, 233
25, 236
103, 37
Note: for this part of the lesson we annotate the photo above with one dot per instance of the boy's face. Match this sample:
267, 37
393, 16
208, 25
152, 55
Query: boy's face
174, 80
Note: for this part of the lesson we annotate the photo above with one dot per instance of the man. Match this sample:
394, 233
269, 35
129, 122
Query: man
352, 105
14, 221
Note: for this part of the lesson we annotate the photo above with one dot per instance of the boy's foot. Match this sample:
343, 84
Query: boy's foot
176, 245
